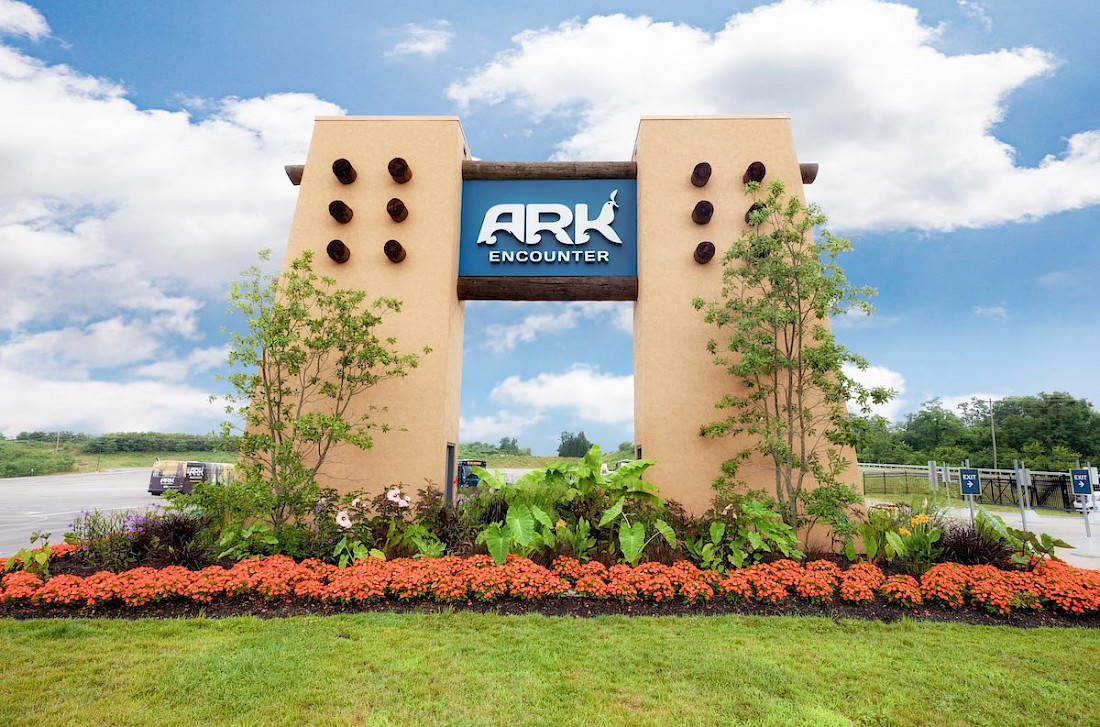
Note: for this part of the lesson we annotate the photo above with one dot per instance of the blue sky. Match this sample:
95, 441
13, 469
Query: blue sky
143, 145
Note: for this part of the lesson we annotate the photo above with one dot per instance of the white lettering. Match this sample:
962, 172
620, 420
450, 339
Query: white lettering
535, 256
563, 217
508, 256
521, 256
493, 223
602, 224
603, 256
494, 256
590, 256
526, 223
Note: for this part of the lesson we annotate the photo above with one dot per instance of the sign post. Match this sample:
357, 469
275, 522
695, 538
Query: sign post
1082, 485
970, 484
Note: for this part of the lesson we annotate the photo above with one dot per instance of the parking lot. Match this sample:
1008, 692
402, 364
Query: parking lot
50, 503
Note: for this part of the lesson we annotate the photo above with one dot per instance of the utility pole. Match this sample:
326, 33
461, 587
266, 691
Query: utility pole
993, 433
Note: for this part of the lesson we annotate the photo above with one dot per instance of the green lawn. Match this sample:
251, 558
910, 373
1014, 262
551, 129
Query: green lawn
470, 669
115, 460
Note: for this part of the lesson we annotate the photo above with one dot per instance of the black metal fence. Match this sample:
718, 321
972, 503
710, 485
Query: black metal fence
1047, 489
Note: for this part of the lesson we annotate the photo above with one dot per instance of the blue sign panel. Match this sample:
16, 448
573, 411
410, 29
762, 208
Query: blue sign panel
1081, 483
549, 227
971, 484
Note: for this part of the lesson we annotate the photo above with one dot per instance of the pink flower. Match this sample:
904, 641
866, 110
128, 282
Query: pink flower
403, 502
342, 519
394, 495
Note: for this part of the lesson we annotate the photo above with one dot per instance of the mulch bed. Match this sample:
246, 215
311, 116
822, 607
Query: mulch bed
567, 607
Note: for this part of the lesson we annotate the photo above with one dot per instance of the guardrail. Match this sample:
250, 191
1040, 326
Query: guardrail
1039, 489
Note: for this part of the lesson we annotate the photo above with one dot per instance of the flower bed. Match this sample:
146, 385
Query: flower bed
1052, 588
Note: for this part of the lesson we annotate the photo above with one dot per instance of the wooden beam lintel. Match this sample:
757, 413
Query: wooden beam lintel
611, 287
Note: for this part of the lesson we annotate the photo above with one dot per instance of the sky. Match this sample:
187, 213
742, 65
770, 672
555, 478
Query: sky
143, 147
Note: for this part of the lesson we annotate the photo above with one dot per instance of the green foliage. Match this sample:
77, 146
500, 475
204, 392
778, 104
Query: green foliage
831, 505
743, 531
308, 351
1046, 432
482, 450
350, 551
35, 559
155, 442
573, 445
29, 457
239, 542
577, 538
780, 285
881, 519
1028, 548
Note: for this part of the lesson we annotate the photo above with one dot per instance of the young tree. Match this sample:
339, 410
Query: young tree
779, 287
309, 351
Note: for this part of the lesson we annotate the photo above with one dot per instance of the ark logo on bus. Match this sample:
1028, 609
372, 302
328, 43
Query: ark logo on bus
526, 222
549, 227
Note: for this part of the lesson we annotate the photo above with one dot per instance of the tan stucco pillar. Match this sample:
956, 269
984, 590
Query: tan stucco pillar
676, 382
426, 403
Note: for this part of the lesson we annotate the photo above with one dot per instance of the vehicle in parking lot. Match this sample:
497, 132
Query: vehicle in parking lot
183, 476
465, 477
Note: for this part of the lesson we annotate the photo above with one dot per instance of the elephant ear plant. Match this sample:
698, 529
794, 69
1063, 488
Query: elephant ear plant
526, 527
532, 523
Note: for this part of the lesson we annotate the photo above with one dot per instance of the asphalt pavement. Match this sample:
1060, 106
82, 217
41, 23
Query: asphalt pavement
50, 503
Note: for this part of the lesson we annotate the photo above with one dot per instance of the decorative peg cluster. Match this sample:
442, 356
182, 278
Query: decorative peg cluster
340, 211
702, 212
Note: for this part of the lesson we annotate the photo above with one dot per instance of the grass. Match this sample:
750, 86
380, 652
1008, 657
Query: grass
115, 460
475, 669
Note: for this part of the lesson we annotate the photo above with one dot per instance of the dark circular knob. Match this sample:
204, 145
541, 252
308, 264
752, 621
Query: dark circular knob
340, 212
338, 251
701, 174
394, 251
397, 210
756, 207
702, 213
344, 171
399, 170
704, 251
755, 172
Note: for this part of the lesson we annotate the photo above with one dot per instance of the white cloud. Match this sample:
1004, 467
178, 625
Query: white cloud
18, 18
1060, 280
558, 318
874, 376
977, 11
583, 390
952, 403
992, 312
178, 370
32, 402
904, 132
491, 428
117, 226
425, 41
858, 319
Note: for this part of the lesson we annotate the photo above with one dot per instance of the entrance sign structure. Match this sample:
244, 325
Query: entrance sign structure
396, 206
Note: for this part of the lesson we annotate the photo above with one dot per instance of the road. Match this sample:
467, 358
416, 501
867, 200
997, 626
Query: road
51, 502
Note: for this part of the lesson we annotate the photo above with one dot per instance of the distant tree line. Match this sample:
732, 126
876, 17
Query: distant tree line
151, 442
1044, 432
481, 450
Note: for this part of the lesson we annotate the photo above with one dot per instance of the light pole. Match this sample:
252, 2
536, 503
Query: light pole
993, 433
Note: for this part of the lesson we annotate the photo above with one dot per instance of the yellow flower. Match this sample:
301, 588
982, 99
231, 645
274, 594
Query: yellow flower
559, 524
918, 520
904, 532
